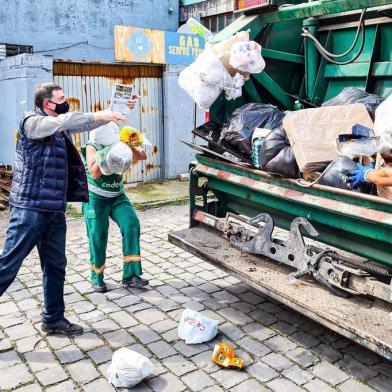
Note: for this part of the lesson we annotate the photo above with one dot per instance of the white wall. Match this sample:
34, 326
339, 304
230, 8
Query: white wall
178, 123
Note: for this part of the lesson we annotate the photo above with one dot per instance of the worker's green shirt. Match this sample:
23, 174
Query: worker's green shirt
104, 186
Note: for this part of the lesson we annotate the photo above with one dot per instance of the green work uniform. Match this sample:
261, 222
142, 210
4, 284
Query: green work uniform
107, 199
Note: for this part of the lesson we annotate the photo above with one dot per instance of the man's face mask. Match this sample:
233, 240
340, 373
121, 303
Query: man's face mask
61, 108
224, 356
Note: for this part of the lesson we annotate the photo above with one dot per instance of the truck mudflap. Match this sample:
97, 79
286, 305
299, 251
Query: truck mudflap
366, 321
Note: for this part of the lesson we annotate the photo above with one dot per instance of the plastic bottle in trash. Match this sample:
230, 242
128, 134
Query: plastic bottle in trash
207, 115
298, 105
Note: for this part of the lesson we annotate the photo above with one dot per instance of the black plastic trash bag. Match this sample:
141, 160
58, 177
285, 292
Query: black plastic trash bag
276, 155
246, 119
336, 175
352, 95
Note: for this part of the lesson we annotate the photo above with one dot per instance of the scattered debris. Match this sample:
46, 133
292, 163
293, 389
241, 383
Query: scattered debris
196, 328
128, 368
224, 355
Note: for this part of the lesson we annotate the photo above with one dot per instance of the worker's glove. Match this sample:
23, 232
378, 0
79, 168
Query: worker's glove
357, 177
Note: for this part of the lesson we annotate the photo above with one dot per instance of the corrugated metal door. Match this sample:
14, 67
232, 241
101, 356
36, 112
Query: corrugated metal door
88, 88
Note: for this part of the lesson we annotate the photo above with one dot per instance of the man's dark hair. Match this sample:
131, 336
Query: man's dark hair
45, 92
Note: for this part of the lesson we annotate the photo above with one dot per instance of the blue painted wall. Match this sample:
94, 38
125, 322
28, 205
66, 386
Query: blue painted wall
19, 75
51, 24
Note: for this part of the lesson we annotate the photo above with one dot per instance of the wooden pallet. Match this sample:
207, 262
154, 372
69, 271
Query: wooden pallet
5, 185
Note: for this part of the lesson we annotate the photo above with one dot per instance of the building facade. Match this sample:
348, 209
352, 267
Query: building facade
213, 14
79, 30
72, 43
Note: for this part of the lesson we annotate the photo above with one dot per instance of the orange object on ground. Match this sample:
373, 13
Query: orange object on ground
224, 355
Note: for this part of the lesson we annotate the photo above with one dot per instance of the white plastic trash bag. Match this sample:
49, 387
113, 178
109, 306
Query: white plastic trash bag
357, 147
128, 368
119, 158
222, 50
206, 78
193, 26
196, 328
105, 135
101, 161
385, 144
246, 56
235, 91
383, 117
202, 93
383, 126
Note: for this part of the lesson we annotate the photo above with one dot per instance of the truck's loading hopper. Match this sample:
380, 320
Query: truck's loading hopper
357, 223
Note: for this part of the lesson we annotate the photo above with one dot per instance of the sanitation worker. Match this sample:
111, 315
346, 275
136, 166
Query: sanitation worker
108, 200
379, 177
48, 172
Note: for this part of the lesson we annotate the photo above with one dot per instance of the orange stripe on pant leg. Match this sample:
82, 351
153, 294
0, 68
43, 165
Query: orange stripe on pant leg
98, 270
132, 258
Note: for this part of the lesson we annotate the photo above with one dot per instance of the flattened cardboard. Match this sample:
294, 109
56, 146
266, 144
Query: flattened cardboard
312, 132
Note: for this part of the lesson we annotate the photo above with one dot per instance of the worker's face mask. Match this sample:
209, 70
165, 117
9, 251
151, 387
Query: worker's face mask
61, 108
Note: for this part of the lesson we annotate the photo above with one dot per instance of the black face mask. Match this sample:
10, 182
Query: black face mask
61, 108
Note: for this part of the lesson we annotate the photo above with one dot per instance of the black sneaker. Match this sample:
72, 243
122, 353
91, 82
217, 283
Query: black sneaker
134, 281
63, 326
100, 289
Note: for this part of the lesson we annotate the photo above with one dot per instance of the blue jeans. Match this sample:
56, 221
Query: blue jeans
46, 230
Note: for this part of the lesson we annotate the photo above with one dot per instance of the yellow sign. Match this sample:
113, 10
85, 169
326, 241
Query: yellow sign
133, 44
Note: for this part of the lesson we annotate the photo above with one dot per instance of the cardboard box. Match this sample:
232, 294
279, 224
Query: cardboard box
312, 132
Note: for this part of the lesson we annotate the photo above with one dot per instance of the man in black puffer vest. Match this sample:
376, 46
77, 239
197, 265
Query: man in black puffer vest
48, 172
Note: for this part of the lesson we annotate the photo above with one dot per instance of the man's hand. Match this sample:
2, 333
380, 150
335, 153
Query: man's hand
107, 116
132, 102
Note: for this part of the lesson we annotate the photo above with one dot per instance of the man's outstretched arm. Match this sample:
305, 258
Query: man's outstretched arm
38, 127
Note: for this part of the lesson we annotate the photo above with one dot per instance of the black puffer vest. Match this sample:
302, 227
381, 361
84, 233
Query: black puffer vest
48, 172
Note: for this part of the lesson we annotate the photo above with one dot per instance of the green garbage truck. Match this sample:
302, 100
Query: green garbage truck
324, 252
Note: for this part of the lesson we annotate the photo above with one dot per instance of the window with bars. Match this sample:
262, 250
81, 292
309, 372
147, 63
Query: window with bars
13, 50
217, 23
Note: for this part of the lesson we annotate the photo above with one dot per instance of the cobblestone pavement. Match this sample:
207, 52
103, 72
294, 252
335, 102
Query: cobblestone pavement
284, 351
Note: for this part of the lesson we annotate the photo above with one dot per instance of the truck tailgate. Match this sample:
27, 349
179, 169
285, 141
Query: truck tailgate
362, 320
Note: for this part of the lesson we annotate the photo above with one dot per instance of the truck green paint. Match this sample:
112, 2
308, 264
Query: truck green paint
295, 69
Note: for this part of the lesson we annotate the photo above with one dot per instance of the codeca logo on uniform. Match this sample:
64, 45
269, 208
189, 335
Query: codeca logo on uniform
113, 185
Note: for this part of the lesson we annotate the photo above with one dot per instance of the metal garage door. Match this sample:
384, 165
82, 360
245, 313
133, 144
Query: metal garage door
88, 88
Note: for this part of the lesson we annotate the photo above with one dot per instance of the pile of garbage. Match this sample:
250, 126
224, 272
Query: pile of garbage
335, 140
128, 368
222, 67
324, 144
256, 130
